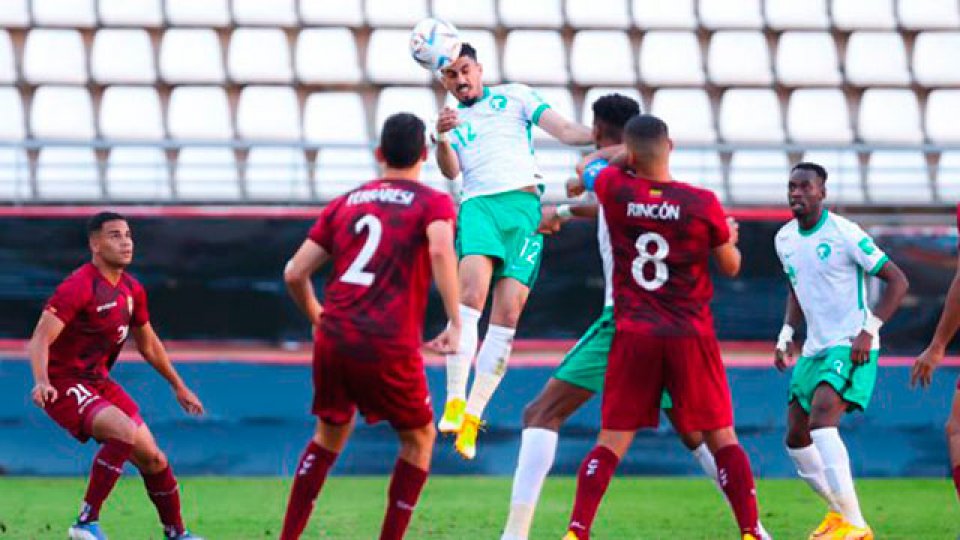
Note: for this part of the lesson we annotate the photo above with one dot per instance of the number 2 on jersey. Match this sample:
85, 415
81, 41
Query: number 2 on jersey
356, 274
661, 272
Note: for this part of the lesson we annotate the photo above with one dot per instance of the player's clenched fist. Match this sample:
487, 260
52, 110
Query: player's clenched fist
43, 393
447, 120
446, 342
734, 230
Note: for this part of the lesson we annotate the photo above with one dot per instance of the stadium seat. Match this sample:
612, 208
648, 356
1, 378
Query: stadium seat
404, 13
863, 14
138, 173
597, 92
268, 113
688, 113
207, 174
671, 58
700, 168
602, 57
214, 13
531, 13
388, 59
751, 115
656, 14
265, 12
122, 56
15, 14
876, 58
277, 174
948, 177
898, 177
259, 55
131, 113
807, 59
191, 55
486, 46
14, 175
199, 113
598, 14
547, 66
473, 14
132, 13
941, 117
844, 183
793, 15
54, 56
819, 116
889, 116
419, 101
69, 13
928, 14
759, 177
8, 66
717, 14
338, 64
339, 170
325, 12
68, 174
62, 112
556, 166
739, 58
334, 117
935, 57
561, 101
11, 110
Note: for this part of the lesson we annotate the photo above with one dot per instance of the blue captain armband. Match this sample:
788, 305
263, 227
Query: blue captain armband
592, 170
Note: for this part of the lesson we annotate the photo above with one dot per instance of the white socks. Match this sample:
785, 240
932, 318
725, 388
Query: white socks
491, 366
836, 463
458, 365
538, 447
707, 463
811, 469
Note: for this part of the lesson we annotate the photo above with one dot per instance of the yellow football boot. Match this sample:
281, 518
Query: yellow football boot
452, 417
830, 524
851, 532
466, 443
570, 536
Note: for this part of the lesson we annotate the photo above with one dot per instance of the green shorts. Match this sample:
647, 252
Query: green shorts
586, 364
503, 226
834, 367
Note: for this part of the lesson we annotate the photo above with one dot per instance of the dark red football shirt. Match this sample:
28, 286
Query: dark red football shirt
97, 317
662, 235
376, 295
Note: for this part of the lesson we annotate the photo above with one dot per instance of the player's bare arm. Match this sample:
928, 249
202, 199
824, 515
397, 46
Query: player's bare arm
893, 294
728, 255
446, 157
564, 130
307, 260
443, 262
153, 351
46, 332
930, 358
553, 217
786, 348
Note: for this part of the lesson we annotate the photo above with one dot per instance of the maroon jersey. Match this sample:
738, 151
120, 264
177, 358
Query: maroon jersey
376, 295
97, 317
662, 235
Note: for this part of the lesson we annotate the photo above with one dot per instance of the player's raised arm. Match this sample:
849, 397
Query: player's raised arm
792, 318
153, 351
446, 156
931, 357
564, 130
307, 260
443, 262
47, 330
728, 255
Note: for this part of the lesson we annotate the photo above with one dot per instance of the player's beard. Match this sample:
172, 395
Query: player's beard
467, 101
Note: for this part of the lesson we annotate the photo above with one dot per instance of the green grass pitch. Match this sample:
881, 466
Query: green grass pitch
473, 508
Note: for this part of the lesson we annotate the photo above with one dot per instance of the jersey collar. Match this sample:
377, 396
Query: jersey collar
817, 227
486, 94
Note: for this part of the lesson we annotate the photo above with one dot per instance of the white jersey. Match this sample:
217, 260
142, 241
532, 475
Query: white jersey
826, 267
494, 142
606, 257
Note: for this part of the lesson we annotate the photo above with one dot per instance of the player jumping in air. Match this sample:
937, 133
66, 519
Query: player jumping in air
825, 257
663, 233
487, 137
931, 357
75, 344
383, 239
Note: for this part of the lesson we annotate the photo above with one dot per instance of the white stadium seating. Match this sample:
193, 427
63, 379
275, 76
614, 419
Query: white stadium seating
325, 12
807, 59
597, 14
943, 107
259, 55
602, 57
403, 13
199, 113
935, 57
928, 14
327, 55
11, 110
876, 58
62, 112
671, 58
131, 113
672, 15
14, 175
122, 56
751, 115
264, 12
334, 117
688, 114
759, 177
206, 173
700, 168
547, 66
598, 91
898, 177
735, 14
8, 63
844, 182
889, 116
948, 177
388, 59
138, 173
419, 101
739, 58
531, 13
863, 14
268, 113
277, 174
487, 53
793, 15
54, 56
69, 13
68, 174
138, 13
819, 116
472, 14
191, 55
214, 13
340, 170
15, 14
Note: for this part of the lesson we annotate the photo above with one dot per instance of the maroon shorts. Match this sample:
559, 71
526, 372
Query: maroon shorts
78, 402
391, 386
640, 367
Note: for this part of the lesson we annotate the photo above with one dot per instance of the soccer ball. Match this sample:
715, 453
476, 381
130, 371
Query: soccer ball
434, 44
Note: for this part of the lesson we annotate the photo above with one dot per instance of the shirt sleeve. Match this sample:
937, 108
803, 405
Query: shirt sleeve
322, 231
440, 209
717, 222
140, 315
533, 104
67, 300
601, 182
862, 249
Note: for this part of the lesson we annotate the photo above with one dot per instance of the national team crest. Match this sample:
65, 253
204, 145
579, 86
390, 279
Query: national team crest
823, 251
498, 102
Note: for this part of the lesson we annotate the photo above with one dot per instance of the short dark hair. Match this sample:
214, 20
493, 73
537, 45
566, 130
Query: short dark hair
613, 111
95, 223
467, 49
403, 140
811, 166
644, 128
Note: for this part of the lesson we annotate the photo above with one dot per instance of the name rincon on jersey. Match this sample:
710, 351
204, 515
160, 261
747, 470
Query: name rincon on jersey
659, 211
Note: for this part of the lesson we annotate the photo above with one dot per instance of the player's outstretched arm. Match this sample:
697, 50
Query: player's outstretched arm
786, 347
443, 262
307, 260
893, 294
931, 357
564, 130
447, 158
47, 330
153, 351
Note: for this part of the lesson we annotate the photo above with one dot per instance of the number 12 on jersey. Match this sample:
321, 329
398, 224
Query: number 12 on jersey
355, 273
661, 272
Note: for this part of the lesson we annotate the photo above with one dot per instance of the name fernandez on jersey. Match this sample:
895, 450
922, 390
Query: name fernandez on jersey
381, 195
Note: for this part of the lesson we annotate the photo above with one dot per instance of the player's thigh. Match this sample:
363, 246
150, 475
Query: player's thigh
394, 390
331, 400
555, 403
475, 273
854, 383
633, 383
827, 407
76, 405
522, 244
798, 426
333, 437
478, 229
146, 454
118, 396
112, 423
509, 298
697, 383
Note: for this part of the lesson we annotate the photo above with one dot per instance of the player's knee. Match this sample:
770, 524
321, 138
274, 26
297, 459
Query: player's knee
797, 438
125, 430
692, 440
538, 415
152, 461
473, 297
